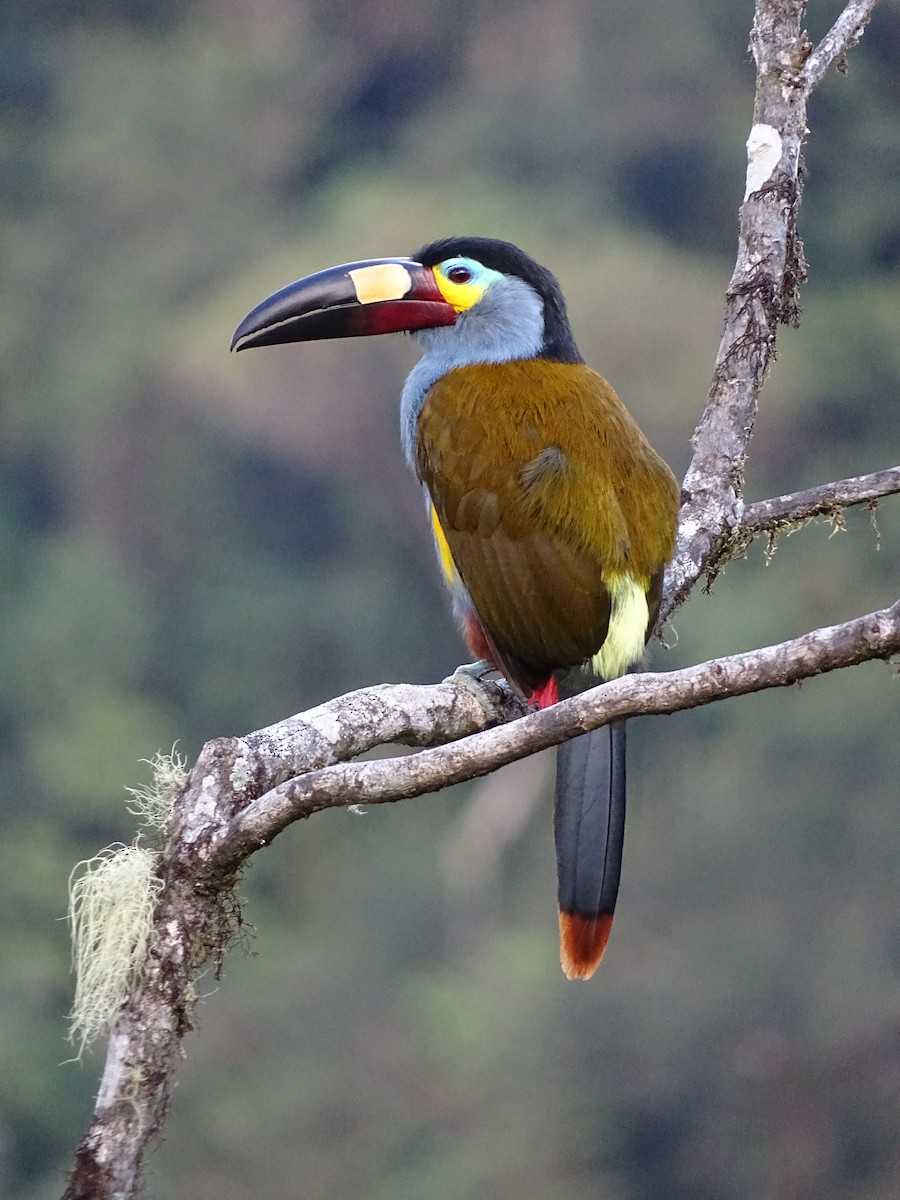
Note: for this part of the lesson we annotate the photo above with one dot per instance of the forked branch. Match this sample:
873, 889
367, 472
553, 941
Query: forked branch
763, 291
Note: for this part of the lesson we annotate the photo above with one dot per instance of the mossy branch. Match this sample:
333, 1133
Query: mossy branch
786, 514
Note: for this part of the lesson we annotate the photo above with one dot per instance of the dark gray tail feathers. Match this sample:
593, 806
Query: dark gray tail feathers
589, 828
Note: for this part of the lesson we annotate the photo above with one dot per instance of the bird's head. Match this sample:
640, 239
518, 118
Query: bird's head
480, 293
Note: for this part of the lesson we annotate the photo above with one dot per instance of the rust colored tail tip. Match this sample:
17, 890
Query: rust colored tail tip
582, 941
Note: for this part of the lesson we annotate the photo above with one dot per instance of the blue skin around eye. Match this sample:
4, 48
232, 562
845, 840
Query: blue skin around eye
468, 264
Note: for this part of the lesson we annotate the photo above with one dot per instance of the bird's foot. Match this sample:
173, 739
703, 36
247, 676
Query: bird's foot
472, 677
467, 673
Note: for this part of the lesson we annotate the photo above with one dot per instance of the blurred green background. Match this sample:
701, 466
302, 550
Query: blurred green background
193, 544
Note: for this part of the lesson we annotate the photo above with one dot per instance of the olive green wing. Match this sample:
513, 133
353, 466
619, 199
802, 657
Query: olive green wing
501, 492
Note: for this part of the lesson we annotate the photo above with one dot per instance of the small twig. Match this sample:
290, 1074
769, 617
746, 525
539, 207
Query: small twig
823, 500
841, 37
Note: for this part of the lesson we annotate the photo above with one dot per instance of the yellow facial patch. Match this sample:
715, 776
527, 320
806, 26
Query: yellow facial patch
627, 634
461, 295
463, 281
381, 281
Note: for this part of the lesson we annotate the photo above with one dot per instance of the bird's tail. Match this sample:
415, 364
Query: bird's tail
589, 828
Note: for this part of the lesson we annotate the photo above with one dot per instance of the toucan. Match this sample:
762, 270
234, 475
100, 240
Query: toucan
553, 517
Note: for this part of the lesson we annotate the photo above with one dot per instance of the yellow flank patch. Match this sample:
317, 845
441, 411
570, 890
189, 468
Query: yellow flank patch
462, 295
448, 566
627, 626
381, 281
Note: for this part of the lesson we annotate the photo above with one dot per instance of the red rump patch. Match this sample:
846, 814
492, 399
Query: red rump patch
544, 696
582, 941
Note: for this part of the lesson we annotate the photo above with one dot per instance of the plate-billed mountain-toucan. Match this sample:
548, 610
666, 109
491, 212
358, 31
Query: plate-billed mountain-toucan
553, 517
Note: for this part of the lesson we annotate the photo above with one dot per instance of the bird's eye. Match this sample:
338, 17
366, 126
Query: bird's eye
459, 274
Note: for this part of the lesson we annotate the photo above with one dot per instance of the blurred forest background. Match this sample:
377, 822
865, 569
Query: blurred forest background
193, 544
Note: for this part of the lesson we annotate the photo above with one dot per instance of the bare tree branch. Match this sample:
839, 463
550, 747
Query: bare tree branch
876, 635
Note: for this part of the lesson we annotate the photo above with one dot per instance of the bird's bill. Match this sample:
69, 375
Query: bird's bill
387, 295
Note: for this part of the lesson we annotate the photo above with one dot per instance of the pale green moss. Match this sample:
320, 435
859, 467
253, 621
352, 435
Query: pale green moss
111, 902
152, 802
